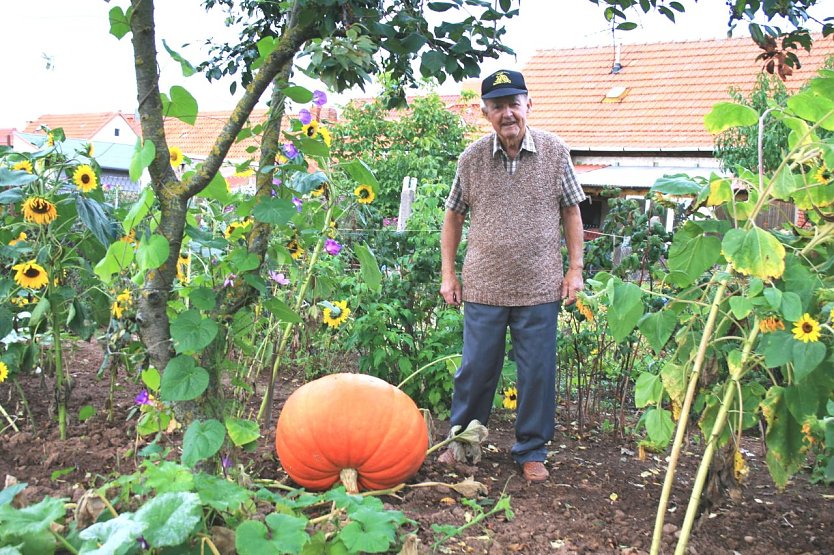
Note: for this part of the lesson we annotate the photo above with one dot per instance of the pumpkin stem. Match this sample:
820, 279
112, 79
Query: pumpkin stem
350, 479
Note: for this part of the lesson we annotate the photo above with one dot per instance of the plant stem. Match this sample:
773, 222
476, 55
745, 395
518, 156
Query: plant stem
712, 442
23, 400
263, 413
67, 545
432, 363
59, 375
677, 446
8, 419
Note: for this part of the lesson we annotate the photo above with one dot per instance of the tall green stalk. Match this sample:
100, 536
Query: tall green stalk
59, 374
263, 413
677, 446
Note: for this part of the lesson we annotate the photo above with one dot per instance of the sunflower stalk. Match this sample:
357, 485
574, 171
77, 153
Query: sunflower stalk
263, 413
8, 418
59, 374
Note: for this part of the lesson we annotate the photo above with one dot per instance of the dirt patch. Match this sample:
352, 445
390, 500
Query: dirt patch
600, 497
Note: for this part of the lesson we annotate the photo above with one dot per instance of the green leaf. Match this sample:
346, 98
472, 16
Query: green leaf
217, 189
119, 22
180, 105
806, 357
726, 115
119, 256
14, 178
170, 518
785, 184
657, 327
203, 298
241, 260
677, 185
791, 306
281, 311
183, 380
774, 297
32, 519
274, 211
691, 254
220, 494
754, 252
626, 309
202, 440
86, 412
673, 377
39, 312
659, 425
813, 107
361, 173
802, 401
371, 530
138, 210
304, 182
741, 307
117, 535
151, 378
153, 251
368, 267
777, 348
143, 154
187, 69
432, 63
785, 454
288, 535
298, 94
312, 147
242, 431
191, 332
96, 220
648, 390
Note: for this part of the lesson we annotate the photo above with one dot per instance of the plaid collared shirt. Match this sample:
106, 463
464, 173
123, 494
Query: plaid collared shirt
573, 193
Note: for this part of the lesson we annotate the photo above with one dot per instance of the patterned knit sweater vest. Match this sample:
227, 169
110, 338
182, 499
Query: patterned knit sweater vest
513, 253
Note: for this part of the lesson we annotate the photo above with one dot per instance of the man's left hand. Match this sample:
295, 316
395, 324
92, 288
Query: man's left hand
572, 283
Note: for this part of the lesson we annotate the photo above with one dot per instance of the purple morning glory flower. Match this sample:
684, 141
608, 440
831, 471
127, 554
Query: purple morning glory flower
332, 247
228, 208
297, 202
226, 462
278, 278
319, 98
276, 182
305, 116
289, 150
389, 221
230, 280
144, 398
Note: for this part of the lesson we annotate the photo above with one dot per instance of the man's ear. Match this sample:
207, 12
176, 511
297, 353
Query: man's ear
529, 104
484, 110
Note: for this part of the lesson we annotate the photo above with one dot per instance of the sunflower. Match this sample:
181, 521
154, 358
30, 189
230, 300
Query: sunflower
23, 165
4, 371
129, 238
30, 274
806, 329
311, 129
584, 310
117, 310
50, 139
234, 226
295, 248
325, 135
336, 320
364, 194
90, 150
85, 178
332, 231
320, 191
21, 237
823, 175
510, 398
39, 210
771, 324
182, 268
176, 155
23, 301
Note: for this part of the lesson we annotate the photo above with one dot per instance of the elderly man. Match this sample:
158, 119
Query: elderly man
518, 188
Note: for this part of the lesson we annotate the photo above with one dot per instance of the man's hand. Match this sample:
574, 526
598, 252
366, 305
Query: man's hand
451, 290
572, 283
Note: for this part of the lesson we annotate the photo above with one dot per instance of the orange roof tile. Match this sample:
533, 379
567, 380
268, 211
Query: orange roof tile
670, 86
76, 126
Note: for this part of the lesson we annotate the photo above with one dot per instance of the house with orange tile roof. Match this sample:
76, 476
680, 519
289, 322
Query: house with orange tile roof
110, 127
634, 113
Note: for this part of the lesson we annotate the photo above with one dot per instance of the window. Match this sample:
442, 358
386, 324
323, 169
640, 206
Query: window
116, 132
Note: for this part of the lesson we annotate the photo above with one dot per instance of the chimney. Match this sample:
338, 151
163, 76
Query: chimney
617, 65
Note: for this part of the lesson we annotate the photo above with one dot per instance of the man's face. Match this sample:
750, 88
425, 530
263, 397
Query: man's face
508, 116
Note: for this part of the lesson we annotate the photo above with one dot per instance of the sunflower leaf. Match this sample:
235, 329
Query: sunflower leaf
187, 69
97, 221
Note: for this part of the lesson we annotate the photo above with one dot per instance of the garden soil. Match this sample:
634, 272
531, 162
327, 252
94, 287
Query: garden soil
600, 498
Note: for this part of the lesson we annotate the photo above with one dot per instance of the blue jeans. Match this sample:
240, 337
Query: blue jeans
533, 330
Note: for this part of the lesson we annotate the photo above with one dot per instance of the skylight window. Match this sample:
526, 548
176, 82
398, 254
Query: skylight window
615, 94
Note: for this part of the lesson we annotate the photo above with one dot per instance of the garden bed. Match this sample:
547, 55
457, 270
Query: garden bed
600, 498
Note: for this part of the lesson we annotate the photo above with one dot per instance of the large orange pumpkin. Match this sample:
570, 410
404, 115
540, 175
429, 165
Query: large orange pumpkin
352, 427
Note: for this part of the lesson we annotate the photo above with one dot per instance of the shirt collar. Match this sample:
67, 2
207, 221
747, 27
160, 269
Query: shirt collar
526, 143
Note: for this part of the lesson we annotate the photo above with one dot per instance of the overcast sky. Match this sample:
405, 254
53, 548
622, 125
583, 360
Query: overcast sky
58, 55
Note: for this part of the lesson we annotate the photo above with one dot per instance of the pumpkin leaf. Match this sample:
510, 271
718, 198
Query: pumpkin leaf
220, 494
754, 252
287, 534
34, 518
116, 535
170, 518
202, 440
371, 531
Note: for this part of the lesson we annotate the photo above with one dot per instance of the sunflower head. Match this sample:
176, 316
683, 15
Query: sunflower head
23, 165
325, 135
823, 175
234, 226
770, 324
30, 274
176, 156
364, 194
50, 139
85, 178
319, 191
806, 329
20, 238
311, 129
39, 210
295, 248
584, 310
4, 371
510, 398
336, 316
90, 150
